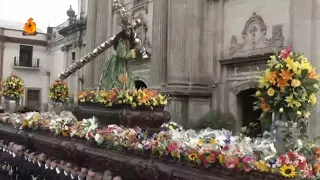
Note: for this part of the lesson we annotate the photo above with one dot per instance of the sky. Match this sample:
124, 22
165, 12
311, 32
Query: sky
44, 12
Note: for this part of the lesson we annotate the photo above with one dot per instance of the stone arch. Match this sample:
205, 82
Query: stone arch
140, 82
244, 86
245, 104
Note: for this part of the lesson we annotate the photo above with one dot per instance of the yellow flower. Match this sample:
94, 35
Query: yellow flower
24, 123
288, 171
258, 93
278, 66
307, 114
291, 64
212, 141
193, 156
221, 159
270, 92
281, 110
299, 113
313, 99
292, 102
262, 166
295, 83
305, 65
200, 142
263, 82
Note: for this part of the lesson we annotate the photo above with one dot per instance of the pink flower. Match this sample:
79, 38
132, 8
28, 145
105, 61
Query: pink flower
173, 146
247, 159
231, 161
285, 53
247, 167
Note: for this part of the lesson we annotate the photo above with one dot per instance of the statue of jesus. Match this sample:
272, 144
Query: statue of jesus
116, 73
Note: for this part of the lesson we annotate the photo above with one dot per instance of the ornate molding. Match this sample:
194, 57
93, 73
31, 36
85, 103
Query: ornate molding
254, 36
244, 86
78, 25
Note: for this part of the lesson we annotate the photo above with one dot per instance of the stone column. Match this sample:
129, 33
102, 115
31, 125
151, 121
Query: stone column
90, 43
187, 70
1, 59
102, 25
159, 45
186, 62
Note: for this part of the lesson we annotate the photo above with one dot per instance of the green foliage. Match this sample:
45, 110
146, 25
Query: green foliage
215, 120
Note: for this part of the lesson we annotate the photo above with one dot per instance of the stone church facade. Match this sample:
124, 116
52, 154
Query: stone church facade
206, 54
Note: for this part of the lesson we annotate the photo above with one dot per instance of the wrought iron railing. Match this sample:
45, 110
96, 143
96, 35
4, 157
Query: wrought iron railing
20, 61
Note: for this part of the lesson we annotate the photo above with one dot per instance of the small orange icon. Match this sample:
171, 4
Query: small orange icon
30, 28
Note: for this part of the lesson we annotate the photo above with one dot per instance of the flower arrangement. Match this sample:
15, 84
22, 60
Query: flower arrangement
206, 147
59, 91
289, 84
12, 87
132, 97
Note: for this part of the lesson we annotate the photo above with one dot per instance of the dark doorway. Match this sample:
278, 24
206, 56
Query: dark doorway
140, 84
246, 103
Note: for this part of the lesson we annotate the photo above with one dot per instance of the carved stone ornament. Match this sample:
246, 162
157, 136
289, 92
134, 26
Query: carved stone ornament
254, 36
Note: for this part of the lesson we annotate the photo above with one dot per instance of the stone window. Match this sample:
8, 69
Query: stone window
25, 56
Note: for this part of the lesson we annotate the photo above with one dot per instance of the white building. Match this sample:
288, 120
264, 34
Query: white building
39, 59
27, 56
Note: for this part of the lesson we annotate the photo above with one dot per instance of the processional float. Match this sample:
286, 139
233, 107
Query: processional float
124, 115
128, 21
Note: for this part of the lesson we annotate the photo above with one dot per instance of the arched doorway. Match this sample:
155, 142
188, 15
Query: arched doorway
246, 103
140, 84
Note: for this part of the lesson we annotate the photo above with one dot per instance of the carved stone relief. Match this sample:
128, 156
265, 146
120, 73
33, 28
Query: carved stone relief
254, 36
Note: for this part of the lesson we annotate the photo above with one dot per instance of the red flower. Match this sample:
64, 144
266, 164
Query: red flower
285, 53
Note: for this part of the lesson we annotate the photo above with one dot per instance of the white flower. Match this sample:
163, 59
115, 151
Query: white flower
98, 138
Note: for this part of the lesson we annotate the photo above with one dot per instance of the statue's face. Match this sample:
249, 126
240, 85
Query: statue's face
127, 32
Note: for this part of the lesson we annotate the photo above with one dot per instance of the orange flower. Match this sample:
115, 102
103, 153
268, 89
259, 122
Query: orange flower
286, 74
313, 75
264, 106
317, 167
122, 78
271, 76
282, 83
317, 150
211, 158
111, 96
144, 99
318, 157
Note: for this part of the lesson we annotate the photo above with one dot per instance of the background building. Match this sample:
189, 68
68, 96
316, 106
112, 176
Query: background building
27, 56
